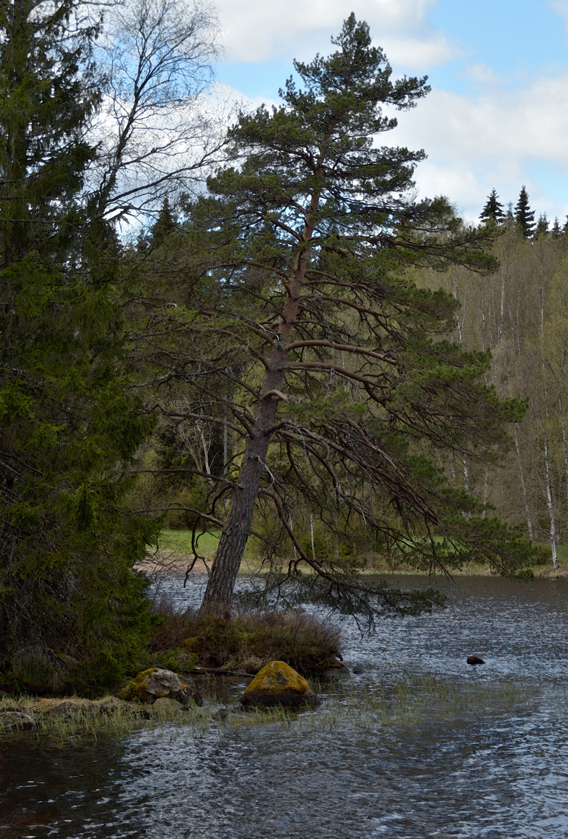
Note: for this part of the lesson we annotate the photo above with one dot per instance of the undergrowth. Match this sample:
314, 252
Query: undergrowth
247, 640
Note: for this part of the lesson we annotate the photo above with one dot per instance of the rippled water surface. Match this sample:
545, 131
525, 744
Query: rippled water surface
487, 768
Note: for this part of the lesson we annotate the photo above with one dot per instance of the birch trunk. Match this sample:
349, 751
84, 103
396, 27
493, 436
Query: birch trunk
565, 446
549, 504
523, 485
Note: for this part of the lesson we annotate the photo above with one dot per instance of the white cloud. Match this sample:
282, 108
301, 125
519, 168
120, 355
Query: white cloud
560, 6
529, 123
493, 140
257, 31
225, 99
418, 54
482, 76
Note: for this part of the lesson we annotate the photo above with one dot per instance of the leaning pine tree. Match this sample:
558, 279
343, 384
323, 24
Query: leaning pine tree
327, 366
68, 595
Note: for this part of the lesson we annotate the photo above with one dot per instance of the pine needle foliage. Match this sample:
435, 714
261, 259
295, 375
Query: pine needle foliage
303, 335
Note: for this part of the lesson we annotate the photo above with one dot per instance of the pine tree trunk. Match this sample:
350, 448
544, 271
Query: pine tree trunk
219, 591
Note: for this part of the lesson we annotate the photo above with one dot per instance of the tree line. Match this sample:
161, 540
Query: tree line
269, 342
517, 313
522, 215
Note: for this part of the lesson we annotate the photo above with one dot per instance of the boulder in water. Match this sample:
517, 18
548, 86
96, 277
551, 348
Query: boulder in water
156, 683
14, 719
279, 684
474, 659
69, 709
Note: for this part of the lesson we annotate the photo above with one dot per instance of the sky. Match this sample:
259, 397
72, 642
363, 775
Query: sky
497, 114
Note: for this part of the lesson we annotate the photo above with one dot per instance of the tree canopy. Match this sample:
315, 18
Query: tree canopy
70, 422
303, 335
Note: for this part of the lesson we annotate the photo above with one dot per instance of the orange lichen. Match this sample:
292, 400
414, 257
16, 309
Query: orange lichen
275, 678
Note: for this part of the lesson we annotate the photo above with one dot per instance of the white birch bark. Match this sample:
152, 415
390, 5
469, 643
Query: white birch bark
523, 485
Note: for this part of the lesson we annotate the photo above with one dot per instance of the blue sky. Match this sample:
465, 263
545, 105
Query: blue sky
498, 112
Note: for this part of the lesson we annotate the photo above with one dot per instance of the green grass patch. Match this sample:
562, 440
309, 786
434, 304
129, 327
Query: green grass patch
179, 541
415, 699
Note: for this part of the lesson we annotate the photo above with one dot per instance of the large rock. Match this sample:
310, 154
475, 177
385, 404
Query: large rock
70, 709
279, 684
156, 683
12, 719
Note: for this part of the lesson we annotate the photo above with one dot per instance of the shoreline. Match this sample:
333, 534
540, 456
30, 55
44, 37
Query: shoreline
171, 562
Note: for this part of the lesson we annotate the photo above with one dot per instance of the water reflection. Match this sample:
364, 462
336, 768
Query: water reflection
475, 774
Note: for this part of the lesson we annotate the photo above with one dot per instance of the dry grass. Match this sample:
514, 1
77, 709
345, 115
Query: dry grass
75, 716
411, 701
249, 640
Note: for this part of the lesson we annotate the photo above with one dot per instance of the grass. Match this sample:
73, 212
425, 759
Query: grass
411, 701
179, 541
416, 699
174, 546
87, 721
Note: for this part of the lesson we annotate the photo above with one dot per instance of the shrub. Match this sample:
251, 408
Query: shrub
249, 640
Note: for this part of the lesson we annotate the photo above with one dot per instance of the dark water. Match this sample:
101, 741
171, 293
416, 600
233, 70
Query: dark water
486, 771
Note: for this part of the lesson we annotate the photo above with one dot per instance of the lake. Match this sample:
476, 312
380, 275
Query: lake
436, 748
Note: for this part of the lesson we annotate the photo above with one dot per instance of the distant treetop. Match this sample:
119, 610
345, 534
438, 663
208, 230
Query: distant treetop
493, 209
524, 216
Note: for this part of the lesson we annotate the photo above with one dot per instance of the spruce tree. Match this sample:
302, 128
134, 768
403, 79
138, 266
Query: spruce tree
68, 425
165, 224
493, 209
524, 216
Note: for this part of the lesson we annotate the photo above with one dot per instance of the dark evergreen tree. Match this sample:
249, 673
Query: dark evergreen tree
68, 425
556, 229
165, 224
524, 216
493, 209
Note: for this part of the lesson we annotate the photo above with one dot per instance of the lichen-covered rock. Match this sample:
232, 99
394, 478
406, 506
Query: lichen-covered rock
156, 683
69, 709
13, 719
279, 684
111, 705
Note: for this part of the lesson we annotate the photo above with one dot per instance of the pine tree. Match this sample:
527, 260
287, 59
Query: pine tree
493, 209
524, 216
68, 424
343, 382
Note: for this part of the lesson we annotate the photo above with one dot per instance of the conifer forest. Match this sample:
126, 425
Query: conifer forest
245, 323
